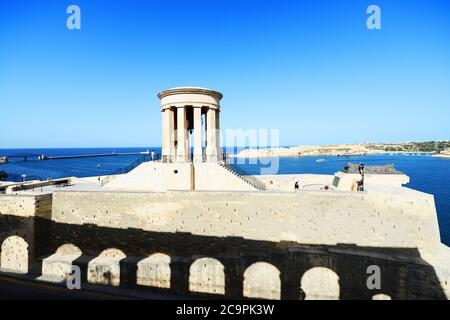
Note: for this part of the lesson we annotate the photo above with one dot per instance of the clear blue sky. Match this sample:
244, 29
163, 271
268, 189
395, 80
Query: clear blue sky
310, 68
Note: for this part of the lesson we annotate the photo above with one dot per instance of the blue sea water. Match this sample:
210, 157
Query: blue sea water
73, 167
427, 173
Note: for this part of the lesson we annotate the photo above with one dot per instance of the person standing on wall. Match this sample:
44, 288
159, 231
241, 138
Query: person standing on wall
361, 169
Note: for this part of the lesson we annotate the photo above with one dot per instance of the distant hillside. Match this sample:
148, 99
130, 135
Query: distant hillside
427, 146
437, 147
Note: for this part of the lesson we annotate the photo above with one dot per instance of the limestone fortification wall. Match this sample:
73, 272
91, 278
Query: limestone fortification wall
402, 218
286, 182
112, 233
346, 181
26, 205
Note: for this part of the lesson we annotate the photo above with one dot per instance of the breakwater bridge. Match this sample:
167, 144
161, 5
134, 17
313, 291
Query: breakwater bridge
40, 157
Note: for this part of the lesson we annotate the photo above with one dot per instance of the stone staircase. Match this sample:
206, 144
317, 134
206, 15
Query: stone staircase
244, 176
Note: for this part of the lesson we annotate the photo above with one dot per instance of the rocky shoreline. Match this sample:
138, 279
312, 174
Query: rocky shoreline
332, 150
442, 155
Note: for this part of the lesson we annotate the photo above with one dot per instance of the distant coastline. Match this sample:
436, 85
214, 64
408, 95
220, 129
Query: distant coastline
436, 148
442, 155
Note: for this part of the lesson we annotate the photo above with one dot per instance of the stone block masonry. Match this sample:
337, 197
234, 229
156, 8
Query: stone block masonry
26, 205
402, 220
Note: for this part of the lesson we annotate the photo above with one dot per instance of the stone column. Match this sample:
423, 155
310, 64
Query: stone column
198, 152
170, 134
211, 146
219, 150
187, 142
165, 145
181, 134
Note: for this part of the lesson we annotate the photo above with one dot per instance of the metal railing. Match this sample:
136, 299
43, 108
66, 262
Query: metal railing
245, 176
20, 178
241, 173
134, 164
131, 166
29, 185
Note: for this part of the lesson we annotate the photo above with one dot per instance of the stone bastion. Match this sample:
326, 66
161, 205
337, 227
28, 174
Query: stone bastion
270, 244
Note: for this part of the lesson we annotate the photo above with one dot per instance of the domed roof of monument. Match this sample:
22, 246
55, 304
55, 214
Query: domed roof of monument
189, 90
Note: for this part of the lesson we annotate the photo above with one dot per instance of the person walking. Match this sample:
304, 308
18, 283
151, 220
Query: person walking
296, 186
360, 186
153, 154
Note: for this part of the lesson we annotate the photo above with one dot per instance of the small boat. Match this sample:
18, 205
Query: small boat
320, 160
3, 159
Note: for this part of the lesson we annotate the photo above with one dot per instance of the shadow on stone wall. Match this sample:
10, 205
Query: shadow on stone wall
401, 278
